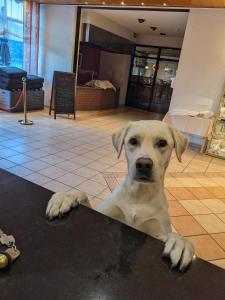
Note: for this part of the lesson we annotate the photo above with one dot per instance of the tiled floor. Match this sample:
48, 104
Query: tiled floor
64, 155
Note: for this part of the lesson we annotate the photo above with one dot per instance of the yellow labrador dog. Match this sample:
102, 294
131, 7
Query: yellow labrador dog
140, 200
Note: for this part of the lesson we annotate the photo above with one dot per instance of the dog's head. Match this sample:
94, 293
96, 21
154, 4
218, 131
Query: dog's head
148, 148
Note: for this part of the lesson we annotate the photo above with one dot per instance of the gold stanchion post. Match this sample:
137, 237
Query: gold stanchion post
25, 121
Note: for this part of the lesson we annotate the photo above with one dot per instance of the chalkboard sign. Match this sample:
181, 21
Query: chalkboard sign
63, 94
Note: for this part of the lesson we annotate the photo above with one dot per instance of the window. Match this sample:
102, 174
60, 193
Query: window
11, 33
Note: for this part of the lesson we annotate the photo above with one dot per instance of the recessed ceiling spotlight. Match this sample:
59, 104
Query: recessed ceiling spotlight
141, 20
122, 3
162, 33
164, 4
103, 2
86, 2
153, 28
142, 3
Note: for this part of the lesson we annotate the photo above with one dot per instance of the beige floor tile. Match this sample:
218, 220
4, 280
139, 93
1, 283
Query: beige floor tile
216, 168
91, 155
201, 192
56, 186
215, 175
68, 165
172, 182
53, 172
215, 205
178, 175
219, 181
220, 239
187, 225
107, 160
206, 248
181, 193
169, 196
81, 160
218, 191
197, 175
86, 172
37, 178
189, 182
98, 166
195, 207
99, 178
176, 209
219, 263
211, 223
71, 179
36, 165
52, 159
20, 171
221, 216
91, 187
207, 182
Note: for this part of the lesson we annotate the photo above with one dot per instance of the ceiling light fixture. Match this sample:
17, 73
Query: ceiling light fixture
103, 2
164, 4
153, 28
122, 3
141, 20
142, 3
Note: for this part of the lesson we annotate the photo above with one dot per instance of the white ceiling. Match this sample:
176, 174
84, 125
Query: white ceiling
171, 23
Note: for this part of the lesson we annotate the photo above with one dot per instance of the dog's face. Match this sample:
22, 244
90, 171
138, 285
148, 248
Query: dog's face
148, 147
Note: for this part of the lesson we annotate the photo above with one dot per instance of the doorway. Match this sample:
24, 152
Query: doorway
152, 72
138, 54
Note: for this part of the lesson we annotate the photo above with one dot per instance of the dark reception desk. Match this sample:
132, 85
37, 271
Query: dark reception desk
89, 256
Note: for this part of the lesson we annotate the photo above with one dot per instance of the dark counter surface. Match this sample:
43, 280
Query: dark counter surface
89, 256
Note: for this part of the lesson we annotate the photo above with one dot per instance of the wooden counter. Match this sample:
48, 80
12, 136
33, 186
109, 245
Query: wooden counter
90, 98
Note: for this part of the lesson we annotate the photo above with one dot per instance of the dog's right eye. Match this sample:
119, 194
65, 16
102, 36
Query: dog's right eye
133, 141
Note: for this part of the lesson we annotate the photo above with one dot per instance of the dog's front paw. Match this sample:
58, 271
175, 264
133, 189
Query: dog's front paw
180, 250
61, 203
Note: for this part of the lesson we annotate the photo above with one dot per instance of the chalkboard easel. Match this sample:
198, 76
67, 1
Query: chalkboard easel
63, 94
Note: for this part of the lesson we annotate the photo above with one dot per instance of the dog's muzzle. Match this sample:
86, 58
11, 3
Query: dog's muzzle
144, 169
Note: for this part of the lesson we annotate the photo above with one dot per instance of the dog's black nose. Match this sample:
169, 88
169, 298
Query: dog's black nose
144, 165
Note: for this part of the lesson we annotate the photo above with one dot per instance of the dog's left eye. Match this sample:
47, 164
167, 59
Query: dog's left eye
162, 143
133, 141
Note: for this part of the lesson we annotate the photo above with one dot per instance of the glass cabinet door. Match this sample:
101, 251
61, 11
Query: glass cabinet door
163, 86
152, 74
140, 84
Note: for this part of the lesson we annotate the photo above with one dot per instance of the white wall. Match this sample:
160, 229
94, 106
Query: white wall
159, 40
57, 32
91, 17
115, 68
201, 71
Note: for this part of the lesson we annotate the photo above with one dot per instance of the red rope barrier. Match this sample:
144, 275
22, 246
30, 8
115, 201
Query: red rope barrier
16, 105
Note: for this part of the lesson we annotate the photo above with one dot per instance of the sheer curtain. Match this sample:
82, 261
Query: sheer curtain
19, 34
11, 33
31, 36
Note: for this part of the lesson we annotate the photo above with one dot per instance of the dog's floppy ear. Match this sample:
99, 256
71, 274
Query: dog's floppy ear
180, 142
118, 138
